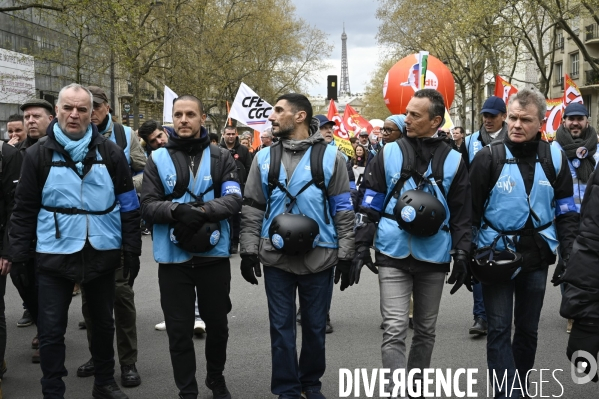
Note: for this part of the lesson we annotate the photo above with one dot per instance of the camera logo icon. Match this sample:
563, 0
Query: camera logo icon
583, 367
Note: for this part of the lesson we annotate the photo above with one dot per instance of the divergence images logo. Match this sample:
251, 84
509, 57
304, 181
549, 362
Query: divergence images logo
583, 367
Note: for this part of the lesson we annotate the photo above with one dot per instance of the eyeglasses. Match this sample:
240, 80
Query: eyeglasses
264, 137
388, 130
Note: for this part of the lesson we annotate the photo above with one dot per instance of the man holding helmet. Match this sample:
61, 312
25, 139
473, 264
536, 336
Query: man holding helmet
190, 189
298, 222
417, 201
523, 210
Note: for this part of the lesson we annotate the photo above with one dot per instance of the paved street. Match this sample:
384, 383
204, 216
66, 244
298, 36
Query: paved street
354, 344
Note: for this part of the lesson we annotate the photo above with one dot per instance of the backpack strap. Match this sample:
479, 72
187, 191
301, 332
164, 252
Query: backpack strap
119, 135
546, 161
439, 158
182, 171
406, 172
276, 153
215, 170
316, 158
498, 154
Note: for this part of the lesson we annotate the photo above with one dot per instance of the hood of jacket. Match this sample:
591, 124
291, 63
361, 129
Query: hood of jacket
302, 145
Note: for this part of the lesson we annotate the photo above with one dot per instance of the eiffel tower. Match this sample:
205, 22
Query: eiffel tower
344, 86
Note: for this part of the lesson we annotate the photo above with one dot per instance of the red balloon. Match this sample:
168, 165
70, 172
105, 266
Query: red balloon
397, 89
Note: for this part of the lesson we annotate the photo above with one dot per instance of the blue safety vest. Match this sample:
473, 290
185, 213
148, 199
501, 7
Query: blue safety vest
309, 202
508, 207
579, 186
112, 138
164, 249
65, 189
397, 243
473, 145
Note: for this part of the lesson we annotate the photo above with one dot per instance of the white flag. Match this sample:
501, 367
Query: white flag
250, 109
167, 108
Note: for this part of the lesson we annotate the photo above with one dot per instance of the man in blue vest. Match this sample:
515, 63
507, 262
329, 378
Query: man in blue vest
494, 128
296, 208
190, 189
84, 211
522, 199
125, 314
410, 260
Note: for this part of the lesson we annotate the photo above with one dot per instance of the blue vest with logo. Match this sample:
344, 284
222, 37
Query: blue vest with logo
94, 192
397, 243
309, 202
509, 207
473, 145
579, 186
164, 249
112, 138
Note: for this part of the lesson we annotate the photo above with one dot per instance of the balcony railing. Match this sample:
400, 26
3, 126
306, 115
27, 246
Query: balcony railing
592, 32
559, 43
591, 78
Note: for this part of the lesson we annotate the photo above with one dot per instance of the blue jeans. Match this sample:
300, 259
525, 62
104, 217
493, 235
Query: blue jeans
525, 295
290, 377
479, 304
55, 294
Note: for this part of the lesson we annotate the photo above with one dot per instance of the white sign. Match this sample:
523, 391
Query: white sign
167, 108
17, 77
250, 109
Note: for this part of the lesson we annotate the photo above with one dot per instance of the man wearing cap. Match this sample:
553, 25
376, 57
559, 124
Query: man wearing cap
124, 304
75, 194
494, 128
578, 139
37, 116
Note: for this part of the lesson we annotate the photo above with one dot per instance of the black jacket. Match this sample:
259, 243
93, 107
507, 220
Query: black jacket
156, 209
11, 169
581, 295
535, 251
458, 201
242, 157
89, 263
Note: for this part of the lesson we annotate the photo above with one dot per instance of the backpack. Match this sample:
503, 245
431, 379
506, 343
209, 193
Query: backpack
407, 169
182, 170
318, 179
119, 135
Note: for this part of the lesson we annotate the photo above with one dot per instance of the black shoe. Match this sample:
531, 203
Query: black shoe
26, 320
87, 369
298, 316
479, 327
329, 326
411, 323
35, 342
109, 391
129, 376
82, 325
35, 358
218, 388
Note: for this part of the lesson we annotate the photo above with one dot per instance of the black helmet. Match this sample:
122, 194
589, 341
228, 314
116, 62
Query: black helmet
492, 266
419, 213
203, 240
293, 234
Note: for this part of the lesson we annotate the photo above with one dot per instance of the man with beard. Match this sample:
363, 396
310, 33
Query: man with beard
154, 136
578, 139
190, 189
494, 128
316, 219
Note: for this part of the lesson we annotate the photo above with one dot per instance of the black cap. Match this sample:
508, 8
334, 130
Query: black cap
37, 102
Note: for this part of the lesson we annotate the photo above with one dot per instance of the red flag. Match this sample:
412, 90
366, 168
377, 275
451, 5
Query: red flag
503, 88
553, 118
354, 122
256, 142
340, 132
571, 92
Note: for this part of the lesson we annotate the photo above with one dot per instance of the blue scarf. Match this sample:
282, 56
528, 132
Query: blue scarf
77, 149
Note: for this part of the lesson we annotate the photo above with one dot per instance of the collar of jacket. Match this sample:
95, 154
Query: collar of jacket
52, 144
224, 145
525, 149
189, 145
107, 132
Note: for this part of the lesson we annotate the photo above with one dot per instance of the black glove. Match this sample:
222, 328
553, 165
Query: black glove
19, 275
183, 232
250, 268
460, 275
343, 271
558, 273
361, 258
193, 217
130, 266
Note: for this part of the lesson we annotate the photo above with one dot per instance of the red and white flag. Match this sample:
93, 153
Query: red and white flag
571, 92
341, 134
503, 88
553, 118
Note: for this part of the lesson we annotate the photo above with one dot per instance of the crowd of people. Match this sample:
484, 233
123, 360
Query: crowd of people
494, 210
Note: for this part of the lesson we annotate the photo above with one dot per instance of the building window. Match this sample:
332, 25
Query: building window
559, 74
574, 65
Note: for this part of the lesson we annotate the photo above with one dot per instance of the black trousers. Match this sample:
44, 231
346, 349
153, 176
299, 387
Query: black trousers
28, 290
178, 285
235, 223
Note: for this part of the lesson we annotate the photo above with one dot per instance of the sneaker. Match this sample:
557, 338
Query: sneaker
479, 327
569, 327
312, 395
199, 327
329, 326
108, 391
218, 388
146, 232
161, 326
26, 320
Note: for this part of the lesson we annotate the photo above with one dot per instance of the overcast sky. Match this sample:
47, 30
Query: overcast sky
361, 26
